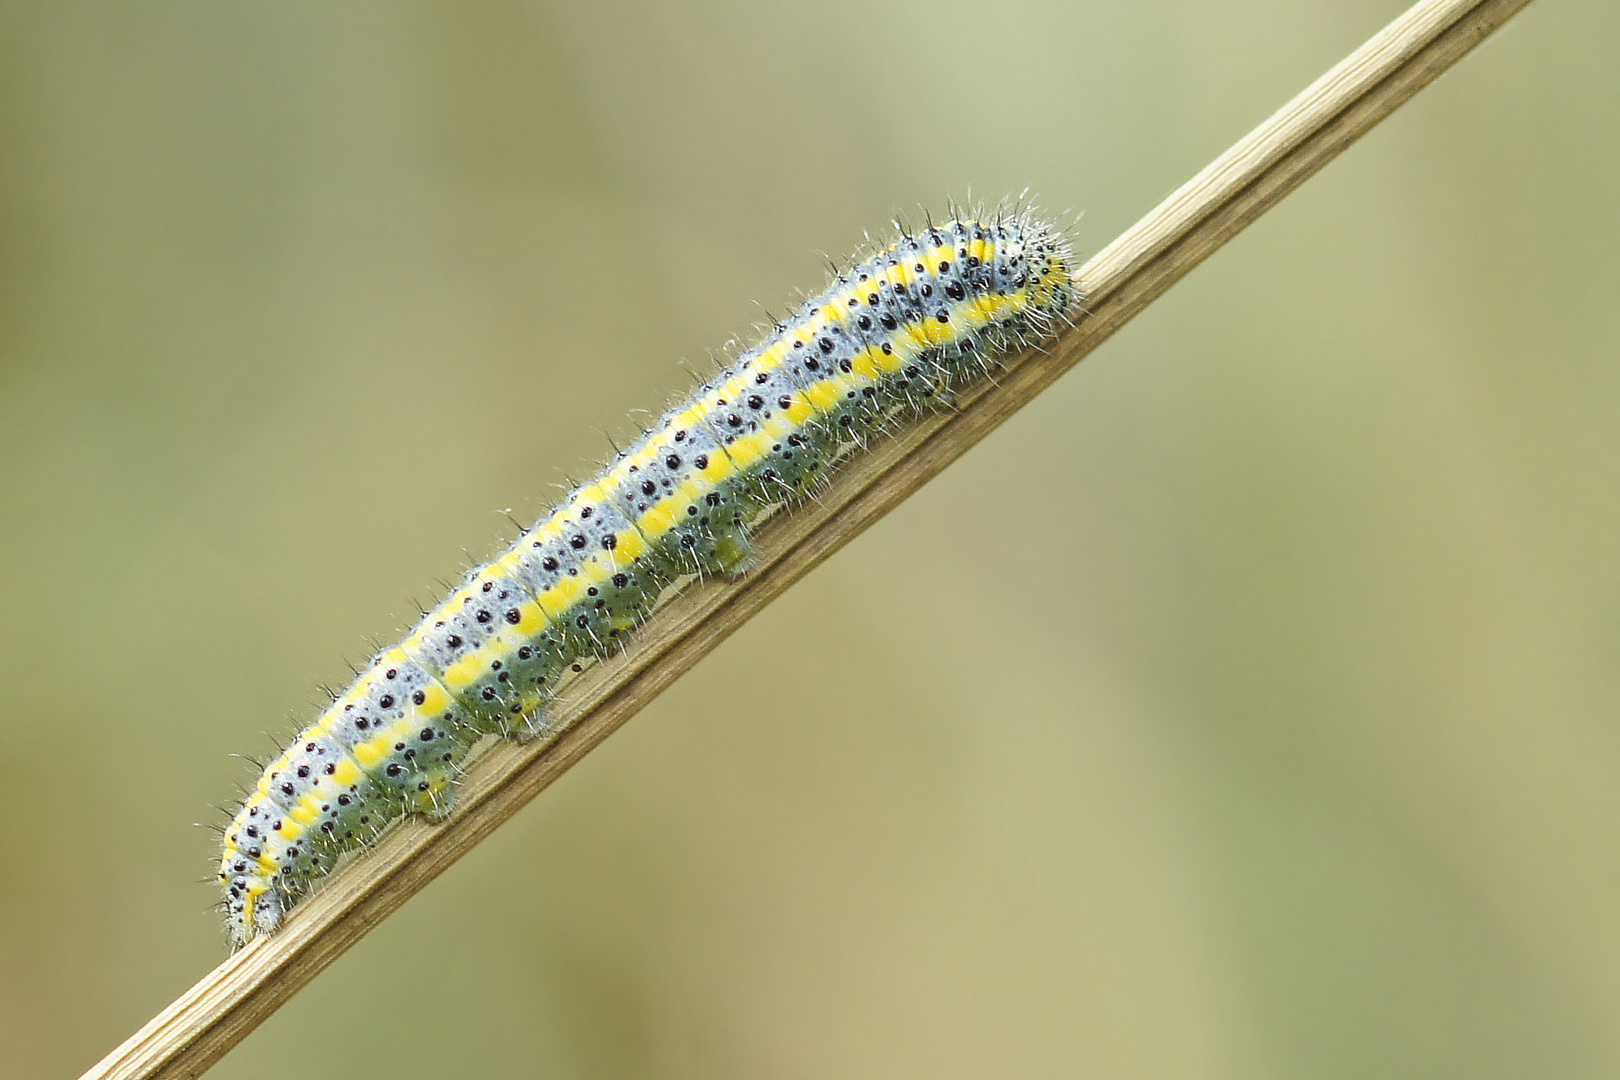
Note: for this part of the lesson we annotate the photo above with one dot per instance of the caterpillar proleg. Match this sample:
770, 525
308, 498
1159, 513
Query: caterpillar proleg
895, 335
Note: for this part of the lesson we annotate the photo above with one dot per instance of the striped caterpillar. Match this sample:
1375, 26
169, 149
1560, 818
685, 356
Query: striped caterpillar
894, 336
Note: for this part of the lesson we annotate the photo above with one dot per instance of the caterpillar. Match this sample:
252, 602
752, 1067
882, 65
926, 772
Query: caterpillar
894, 336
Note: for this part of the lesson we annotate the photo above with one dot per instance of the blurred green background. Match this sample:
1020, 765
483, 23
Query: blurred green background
1290, 750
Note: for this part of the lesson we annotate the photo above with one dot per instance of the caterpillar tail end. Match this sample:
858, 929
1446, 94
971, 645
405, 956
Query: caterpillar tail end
253, 908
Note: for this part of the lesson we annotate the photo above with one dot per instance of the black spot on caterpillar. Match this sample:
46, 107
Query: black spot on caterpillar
897, 334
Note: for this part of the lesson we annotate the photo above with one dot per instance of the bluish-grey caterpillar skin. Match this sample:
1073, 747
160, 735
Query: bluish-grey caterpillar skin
624, 598
897, 335
709, 534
